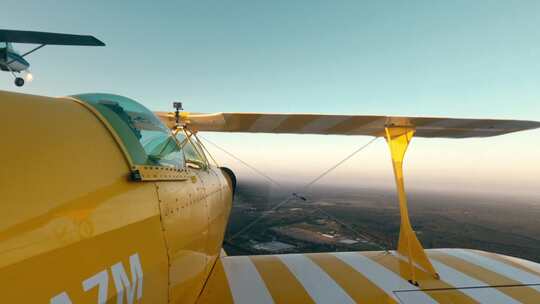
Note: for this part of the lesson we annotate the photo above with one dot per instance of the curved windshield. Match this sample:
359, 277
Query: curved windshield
144, 136
193, 152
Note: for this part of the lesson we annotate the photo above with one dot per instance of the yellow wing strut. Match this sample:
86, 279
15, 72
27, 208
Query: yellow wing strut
398, 139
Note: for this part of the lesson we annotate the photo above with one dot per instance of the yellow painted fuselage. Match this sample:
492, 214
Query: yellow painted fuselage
74, 228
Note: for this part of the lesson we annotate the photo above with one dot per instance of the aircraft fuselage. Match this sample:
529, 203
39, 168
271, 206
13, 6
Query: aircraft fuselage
76, 228
12, 61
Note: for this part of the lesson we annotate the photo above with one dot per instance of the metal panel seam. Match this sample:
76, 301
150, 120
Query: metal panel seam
208, 277
156, 186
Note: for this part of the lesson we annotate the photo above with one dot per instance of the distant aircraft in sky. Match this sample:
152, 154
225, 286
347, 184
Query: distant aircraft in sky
13, 62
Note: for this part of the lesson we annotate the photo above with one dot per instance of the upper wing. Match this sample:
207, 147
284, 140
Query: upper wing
371, 125
48, 38
466, 276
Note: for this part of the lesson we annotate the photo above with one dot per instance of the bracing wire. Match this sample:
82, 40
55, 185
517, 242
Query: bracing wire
243, 162
339, 163
305, 187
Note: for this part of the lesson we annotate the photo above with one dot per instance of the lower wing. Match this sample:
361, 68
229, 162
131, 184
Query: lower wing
466, 276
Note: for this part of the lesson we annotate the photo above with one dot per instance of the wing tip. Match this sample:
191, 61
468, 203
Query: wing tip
96, 41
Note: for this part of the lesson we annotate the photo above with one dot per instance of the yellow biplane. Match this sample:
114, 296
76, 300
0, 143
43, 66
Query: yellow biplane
104, 201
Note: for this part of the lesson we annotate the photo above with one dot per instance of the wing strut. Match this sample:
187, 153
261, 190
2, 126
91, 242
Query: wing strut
33, 50
398, 139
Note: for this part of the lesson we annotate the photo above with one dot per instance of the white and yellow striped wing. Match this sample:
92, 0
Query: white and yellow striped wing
466, 276
371, 125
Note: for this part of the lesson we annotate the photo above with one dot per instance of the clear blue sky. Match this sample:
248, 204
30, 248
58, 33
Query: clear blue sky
443, 58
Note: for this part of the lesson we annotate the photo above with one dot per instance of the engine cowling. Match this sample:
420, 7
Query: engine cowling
231, 178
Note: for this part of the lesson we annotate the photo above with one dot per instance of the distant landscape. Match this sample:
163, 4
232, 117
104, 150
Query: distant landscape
334, 218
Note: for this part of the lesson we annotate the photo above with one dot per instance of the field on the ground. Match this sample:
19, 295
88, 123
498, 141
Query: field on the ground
323, 218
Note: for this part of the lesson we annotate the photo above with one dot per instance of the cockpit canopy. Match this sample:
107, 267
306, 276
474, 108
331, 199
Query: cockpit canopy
143, 135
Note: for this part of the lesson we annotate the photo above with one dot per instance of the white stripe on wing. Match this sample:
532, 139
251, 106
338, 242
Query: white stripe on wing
461, 280
501, 268
525, 263
382, 277
265, 123
247, 286
317, 283
320, 125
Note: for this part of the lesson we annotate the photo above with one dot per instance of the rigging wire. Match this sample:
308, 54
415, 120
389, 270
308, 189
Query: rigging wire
293, 195
243, 162
307, 186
